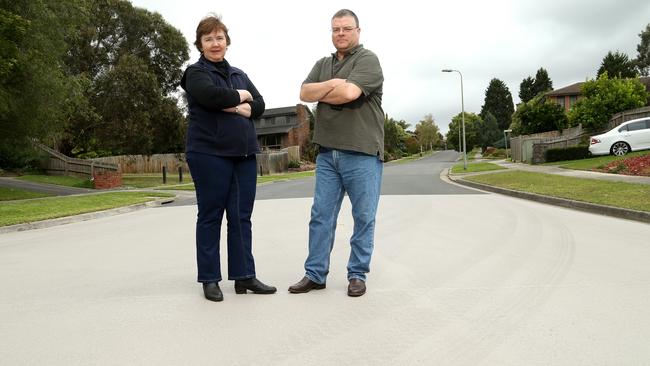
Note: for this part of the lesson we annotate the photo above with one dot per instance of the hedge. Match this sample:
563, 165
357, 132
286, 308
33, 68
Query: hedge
569, 153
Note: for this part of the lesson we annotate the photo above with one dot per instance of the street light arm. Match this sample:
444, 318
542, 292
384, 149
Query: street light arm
462, 103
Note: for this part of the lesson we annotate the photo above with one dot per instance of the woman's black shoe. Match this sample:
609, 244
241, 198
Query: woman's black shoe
212, 291
254, 285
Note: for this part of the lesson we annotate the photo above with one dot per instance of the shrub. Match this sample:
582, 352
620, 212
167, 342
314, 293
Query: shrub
20, 156
489, 151
492, 152
569, 153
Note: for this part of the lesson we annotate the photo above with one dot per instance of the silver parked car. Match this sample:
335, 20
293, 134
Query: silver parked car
629, 136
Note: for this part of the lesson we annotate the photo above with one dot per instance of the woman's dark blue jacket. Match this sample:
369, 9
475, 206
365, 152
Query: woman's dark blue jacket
209, 89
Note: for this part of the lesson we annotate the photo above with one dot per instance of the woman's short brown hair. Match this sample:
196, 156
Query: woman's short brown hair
206, 26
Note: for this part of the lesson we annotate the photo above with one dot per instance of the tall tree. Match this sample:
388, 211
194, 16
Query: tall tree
603, 98
472, 131
427, 132
454, 135
498, 101
489, 131
115, 40
543, 82
617, 65
394, 137
642, 60
35, 93
526, 91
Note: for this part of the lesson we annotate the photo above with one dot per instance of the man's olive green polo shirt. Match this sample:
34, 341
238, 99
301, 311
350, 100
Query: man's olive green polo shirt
357, 125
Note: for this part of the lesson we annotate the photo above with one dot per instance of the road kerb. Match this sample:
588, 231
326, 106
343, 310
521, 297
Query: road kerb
83, 217
622, 213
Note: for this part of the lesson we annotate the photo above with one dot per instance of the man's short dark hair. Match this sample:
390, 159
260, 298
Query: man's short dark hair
346, 13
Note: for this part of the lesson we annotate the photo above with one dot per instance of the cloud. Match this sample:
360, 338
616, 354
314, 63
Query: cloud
277, 43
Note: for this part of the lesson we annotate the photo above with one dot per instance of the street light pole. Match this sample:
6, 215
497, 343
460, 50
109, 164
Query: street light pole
462, 104
505, 141
460, 144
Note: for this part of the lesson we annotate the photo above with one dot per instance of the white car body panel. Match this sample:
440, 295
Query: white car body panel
638, 138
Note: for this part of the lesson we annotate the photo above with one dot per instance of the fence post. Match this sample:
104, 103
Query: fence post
164, 169
180, 174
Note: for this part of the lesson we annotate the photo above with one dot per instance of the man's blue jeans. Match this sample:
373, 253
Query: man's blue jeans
337, 173
223, 184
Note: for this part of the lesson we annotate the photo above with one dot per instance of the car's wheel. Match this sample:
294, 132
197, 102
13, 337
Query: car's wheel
620, 148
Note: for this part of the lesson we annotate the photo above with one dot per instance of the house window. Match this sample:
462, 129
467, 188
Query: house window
560, 101
273, 141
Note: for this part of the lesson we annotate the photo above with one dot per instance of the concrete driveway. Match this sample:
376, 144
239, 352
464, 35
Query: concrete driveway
456, 280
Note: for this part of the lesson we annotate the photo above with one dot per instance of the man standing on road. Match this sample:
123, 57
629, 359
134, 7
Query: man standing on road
349, 132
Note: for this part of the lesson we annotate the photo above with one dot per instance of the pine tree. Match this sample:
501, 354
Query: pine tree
542, 82
642, 61
526, 89
498, 101
617, 65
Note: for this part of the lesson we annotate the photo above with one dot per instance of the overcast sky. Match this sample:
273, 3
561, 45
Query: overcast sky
277, 42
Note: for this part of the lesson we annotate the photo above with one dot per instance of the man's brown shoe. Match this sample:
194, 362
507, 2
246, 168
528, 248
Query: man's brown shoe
305, 285
356, 287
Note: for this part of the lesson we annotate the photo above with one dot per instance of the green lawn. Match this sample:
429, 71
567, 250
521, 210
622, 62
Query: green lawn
475, 167
177, 187
18, 212
274, 177
8, 194
61, 180
617, 194
595, 162
410, 158
153, 180
150, 181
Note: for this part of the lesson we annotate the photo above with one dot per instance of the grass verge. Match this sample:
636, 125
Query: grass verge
8, 194
61, 180
19, 212
595, 162
154, 180
274, 177
475, 167
617, 194
410, 158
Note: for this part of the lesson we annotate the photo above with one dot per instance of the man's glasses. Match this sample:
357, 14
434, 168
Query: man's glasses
345, 30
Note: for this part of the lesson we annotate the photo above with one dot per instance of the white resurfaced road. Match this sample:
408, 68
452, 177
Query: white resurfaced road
456, 280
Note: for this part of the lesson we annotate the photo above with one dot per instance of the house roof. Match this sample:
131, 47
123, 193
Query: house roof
273, 129
574, 89
283, 111
278, 120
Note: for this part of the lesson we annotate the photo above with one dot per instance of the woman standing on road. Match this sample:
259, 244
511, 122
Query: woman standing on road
220, 151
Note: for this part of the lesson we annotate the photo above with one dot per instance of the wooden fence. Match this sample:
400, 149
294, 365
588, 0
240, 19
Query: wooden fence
625, 116
268, 162
59, 164
138, 164
523, 147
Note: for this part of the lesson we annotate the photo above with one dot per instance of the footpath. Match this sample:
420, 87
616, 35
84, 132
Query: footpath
629, 214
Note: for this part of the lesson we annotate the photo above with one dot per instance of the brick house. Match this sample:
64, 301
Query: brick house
569, 95
279, 128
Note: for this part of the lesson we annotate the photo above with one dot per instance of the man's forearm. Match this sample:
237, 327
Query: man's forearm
315, 92
343, 93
